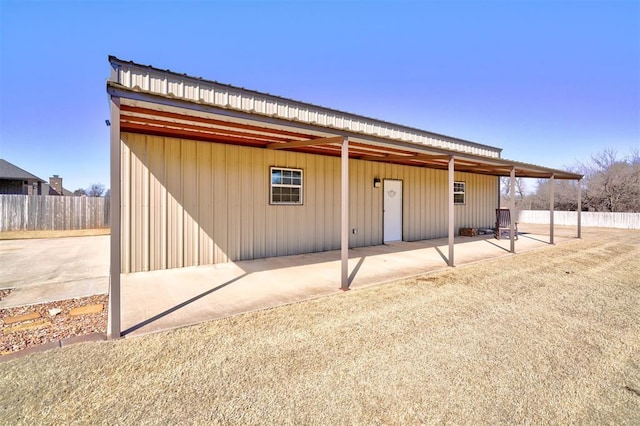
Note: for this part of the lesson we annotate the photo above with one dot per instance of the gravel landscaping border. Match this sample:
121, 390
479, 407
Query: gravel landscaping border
26, 327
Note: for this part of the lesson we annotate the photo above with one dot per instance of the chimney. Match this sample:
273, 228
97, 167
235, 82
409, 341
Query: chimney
55, 184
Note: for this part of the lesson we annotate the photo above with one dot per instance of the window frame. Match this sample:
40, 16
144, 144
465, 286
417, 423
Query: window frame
463, 193
284, 185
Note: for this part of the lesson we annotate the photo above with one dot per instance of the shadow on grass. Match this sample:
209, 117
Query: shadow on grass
526, 235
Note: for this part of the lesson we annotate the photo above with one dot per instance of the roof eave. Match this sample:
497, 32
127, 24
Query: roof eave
500, 166
114, 60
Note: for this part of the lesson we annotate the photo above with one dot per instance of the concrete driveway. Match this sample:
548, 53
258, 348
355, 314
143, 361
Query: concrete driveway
42, 270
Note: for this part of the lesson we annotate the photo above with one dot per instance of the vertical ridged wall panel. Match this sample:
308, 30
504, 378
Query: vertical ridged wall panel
219, 188
125, 206
157, 199
175, 201
204, 195
190, 203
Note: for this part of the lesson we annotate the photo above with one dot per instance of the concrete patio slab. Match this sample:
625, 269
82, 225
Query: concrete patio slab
161, 300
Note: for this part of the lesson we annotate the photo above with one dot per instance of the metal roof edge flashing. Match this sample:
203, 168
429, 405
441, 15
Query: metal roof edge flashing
138, 94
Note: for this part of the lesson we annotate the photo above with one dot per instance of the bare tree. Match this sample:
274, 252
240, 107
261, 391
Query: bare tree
520, 192
95, 190
565, 195
505, 183
634, 156
610, 184
613, 185
80, 192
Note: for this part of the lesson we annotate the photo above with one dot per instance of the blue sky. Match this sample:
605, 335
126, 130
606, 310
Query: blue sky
549, 82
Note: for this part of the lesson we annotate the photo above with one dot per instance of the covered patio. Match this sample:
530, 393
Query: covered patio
169, 108
162, 300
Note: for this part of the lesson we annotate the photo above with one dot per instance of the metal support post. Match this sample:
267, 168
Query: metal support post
452, 212
512, 208
344, 229
579, 208
551, 208
113, 319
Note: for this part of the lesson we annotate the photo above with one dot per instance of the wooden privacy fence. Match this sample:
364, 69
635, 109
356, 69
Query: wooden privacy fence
595, 219
48, 212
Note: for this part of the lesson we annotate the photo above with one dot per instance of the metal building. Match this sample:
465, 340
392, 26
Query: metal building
203, 172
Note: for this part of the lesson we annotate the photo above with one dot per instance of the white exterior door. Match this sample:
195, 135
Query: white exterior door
392, 205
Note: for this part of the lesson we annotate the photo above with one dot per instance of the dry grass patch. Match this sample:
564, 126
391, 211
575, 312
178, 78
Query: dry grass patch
27, 235
550, 336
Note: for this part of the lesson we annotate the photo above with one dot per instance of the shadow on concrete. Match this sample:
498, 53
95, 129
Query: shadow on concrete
498, 245
355, 271
442, 255
311, 258
180, 306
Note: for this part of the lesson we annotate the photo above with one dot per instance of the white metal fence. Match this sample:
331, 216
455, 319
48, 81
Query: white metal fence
48, 212
595, 219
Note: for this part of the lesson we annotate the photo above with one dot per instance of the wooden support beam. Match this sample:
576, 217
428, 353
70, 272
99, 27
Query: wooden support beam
452, 215
113, 313
126, 126
307, 142
212, 121
344, 208
205, 129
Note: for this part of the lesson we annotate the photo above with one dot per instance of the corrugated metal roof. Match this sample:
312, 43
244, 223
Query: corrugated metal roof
145, 78
156, 102
11, 171
165, 116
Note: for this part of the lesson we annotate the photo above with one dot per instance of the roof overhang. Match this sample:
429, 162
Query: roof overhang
164, 115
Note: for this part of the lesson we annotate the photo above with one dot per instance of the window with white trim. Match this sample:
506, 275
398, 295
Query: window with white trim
459, 192
286, 186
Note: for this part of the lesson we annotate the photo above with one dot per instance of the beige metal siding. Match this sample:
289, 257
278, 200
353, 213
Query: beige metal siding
187, 203
157, 214
190, 203
172, 179
205, 205
424, 202
125, 205
166, 83
481, 201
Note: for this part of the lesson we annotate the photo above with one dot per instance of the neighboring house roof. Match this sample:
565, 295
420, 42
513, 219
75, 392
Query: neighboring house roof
11, 171
48, 190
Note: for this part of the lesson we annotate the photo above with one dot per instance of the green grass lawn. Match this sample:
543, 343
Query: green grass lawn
549, 336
